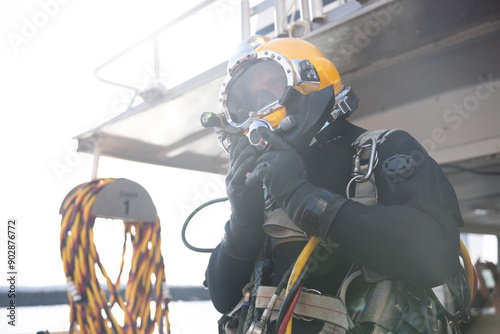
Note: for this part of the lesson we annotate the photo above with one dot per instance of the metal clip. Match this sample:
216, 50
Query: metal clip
261, 325
224, 141
256, 328
356, 161
371, 162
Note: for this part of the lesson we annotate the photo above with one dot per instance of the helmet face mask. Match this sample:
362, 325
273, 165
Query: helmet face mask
256, 89
259, 84
286, 82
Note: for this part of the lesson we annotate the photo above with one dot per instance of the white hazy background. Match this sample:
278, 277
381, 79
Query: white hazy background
49, 95
49, 50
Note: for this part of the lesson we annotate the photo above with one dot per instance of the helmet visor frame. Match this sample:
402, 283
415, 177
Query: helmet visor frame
256, 88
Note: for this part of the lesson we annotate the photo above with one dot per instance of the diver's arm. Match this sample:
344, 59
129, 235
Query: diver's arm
225, 278
415, 238
400, 242
232, 261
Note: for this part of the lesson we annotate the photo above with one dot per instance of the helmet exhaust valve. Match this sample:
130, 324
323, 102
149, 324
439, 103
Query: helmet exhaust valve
254, 136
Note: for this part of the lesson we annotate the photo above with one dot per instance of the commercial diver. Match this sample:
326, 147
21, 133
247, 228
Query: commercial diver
333, 228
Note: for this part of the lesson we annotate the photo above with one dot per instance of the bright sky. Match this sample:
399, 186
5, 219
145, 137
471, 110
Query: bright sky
49, 50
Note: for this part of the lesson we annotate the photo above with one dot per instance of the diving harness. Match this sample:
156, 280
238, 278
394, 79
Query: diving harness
388, 306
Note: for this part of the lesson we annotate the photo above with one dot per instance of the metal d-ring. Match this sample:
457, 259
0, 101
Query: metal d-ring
355, 178
371, 162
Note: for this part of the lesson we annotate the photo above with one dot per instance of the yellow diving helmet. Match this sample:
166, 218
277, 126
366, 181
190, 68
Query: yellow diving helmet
284, 84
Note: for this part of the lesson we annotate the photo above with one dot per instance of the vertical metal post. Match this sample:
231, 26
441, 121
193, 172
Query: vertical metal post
498, 252
279, 15
157, 57
316, 10
97, 154
305, 14
245, 18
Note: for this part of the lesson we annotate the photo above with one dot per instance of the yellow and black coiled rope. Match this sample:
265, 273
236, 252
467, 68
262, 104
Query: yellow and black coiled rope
145, 304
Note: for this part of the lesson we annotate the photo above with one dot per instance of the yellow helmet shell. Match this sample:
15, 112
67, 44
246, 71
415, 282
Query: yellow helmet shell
306, 68
294, 48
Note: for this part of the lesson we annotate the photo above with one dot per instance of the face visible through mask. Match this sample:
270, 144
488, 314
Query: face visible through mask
256, 87
268, 85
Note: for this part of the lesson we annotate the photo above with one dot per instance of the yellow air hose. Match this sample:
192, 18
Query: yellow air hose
469, 270
144, 308
297, 269
314, 242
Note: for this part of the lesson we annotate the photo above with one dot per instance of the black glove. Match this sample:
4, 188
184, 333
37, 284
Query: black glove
284, 174
244, 234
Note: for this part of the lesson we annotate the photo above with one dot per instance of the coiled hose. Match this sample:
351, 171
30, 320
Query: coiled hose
144, 307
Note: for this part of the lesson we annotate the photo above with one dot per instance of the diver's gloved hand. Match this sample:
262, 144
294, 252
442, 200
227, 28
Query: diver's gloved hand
244, 230
282, 170
284, 174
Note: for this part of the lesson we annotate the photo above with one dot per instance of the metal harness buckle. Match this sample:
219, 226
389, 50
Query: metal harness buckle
357, 175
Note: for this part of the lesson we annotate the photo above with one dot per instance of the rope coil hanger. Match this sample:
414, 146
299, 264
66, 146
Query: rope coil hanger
144, 307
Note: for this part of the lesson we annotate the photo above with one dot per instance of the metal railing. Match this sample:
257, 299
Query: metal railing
309, 12
301, 17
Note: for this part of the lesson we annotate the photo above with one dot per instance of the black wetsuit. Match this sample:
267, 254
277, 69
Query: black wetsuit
411, 235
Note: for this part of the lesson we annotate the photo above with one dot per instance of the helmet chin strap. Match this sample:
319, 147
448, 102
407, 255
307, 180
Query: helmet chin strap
311, 112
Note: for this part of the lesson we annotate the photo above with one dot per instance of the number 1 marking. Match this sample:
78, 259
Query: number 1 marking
127, 206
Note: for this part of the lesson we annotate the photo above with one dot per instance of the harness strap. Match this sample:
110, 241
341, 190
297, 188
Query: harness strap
282, 229
330, 328
365, 192
365, 188
310, 305
332, 311
379, 135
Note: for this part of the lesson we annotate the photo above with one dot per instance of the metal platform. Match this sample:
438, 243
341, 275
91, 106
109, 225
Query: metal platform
429, 67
